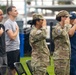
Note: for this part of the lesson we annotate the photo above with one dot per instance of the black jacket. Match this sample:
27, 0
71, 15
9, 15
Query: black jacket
2, 42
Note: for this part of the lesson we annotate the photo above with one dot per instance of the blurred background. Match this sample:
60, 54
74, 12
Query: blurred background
49, 8
27, 7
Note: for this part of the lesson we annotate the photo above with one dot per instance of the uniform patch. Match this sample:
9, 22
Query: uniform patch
59, 32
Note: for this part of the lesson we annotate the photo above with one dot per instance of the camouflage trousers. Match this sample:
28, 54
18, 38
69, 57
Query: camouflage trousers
39, 70
62, 66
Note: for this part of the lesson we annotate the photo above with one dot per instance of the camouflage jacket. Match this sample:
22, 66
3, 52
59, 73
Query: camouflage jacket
61, 41
40, 52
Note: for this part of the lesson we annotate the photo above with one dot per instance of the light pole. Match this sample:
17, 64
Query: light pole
25, 12
35, 5
6, 4
42, 5
11, 2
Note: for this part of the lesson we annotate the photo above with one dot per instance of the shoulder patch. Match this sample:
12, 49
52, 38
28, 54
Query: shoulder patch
58, 31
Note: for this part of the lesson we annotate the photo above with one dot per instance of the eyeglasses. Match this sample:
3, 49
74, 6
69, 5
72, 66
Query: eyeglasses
1, 14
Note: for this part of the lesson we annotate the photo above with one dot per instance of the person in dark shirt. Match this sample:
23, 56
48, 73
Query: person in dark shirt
3, 55
73, 44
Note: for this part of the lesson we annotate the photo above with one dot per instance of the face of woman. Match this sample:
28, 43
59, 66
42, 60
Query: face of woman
63, 18
40, 23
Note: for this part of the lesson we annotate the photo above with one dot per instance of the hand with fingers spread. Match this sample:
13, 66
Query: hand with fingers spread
44, 23
1, 31
17, 28
67, 21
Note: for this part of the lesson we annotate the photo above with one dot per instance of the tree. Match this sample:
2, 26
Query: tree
64, 2
3, 7
28, 2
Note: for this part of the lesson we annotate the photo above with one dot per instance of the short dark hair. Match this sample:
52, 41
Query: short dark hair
58, 18
10, 9
34, 21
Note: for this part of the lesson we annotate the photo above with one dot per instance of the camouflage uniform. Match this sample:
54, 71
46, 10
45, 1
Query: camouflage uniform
40, 52
62, 51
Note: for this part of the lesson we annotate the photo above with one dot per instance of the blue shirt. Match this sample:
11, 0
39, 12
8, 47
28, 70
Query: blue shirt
73, 43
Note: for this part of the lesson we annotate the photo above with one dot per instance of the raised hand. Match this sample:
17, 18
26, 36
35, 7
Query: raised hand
67, 21
1, 31
44, 23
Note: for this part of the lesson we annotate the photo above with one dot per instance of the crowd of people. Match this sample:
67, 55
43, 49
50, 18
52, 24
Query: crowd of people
64, 36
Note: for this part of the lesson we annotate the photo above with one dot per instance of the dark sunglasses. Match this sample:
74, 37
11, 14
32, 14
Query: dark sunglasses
65, 16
